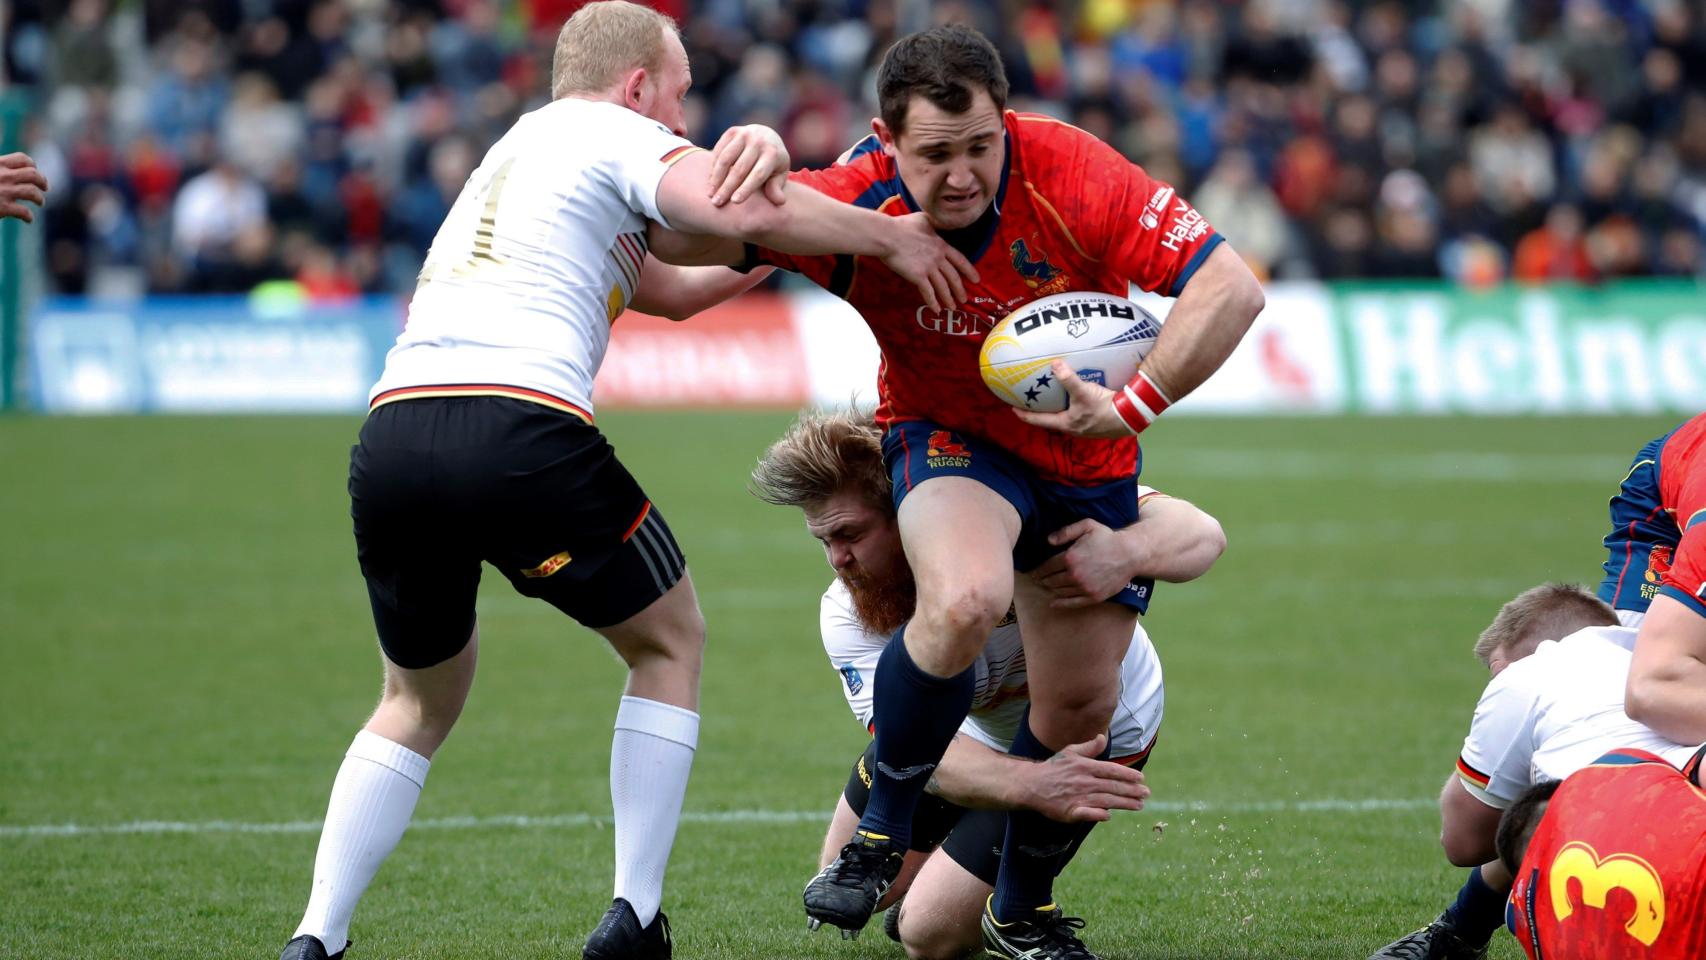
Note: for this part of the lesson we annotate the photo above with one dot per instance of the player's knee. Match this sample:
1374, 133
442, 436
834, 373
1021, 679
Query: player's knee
933, 942
966, 611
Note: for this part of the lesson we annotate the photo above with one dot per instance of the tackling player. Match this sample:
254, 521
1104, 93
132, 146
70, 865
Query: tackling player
1040, 207
480, 446
1558, 659
1667, 490
831, 466
1610, 864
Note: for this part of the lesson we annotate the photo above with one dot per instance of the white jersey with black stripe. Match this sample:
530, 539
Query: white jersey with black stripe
538, 255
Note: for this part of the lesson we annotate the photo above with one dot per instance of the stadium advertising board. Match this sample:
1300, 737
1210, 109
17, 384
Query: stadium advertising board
1354, 348
208, 355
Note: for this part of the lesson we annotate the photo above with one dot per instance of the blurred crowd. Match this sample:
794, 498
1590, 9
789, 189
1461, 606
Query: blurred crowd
214, 145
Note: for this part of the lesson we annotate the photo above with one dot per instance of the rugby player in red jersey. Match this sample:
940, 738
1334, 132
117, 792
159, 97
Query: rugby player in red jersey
1040, 207
1610, 864
1667, 682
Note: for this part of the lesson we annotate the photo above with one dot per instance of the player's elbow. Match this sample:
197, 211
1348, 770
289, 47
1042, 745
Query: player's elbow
1248, 298
1464, 849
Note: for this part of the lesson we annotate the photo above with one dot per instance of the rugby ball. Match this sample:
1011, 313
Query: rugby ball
1099, 335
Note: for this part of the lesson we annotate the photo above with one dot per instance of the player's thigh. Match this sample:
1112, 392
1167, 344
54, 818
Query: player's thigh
958, 535
568, 524
671, 627
413, 535
1072, 660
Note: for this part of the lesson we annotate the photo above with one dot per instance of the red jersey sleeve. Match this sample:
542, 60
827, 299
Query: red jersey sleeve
1682, 490
1121, 215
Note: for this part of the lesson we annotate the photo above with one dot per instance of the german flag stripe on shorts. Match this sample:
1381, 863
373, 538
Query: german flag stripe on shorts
479, 390
1471, 775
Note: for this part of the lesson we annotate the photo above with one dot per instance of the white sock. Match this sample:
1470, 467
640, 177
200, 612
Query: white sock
372, 800
650, 757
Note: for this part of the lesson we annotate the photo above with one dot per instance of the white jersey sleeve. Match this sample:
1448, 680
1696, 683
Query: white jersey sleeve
1497, 760
635, 172
853, 651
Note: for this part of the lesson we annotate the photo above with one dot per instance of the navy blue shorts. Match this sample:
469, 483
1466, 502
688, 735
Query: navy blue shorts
917, 450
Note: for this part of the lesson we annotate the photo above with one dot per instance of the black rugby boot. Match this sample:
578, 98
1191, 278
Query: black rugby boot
846, 892
619, 936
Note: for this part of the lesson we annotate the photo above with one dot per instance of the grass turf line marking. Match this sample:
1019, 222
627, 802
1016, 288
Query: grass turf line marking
570, 820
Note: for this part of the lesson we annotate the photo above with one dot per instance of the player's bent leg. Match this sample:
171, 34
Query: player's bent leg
940, 918
958, 535
374, 794
651, 757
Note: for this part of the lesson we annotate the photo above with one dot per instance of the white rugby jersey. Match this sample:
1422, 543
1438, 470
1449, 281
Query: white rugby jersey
538, 255
1001, 695
1554, 712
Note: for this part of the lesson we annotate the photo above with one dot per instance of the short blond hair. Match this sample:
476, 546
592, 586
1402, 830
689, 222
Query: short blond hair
603, 41
822, 454
1551, 611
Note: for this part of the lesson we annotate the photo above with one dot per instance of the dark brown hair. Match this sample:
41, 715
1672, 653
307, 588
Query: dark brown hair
945, 65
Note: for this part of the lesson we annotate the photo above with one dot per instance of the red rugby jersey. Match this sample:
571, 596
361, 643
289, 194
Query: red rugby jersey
1682, 491
1071, 214
1616, 869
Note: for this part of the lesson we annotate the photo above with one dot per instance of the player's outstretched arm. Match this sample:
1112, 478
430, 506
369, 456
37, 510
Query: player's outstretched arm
807, 224
20, 182
1213, 313
1172, 540
1071, 786
1667, 677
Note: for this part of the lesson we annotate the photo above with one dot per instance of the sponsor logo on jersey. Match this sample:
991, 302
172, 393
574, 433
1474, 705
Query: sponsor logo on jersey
1187, 227
945, 449
1597, 876
954, 322
1036, 270
1156, 207
549, 567
855, 683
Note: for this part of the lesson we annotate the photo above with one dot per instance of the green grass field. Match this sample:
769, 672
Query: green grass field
185, 641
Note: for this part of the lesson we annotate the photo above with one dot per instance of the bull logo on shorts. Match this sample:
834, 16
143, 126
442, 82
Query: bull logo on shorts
1597, 877
944, 444
549, 567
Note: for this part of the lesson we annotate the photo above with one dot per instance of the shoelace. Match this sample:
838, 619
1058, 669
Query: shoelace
863, 854
1060, 932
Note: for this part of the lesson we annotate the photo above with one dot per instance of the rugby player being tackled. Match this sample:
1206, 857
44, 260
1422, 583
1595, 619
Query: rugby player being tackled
830, 465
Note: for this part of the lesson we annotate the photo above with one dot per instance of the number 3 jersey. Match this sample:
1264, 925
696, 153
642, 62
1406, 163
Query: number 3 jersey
1616, 869
540, 252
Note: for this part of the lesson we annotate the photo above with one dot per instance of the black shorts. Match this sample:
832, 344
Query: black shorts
970, 837
439, 484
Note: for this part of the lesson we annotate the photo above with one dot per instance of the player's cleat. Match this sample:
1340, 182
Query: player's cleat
891, 921
1045, 935
619, 936
306, 947
1436, 941
846, 892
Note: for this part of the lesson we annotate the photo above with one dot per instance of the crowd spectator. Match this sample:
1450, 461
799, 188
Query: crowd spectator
213, 144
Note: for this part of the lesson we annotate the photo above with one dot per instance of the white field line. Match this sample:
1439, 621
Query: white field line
722, 817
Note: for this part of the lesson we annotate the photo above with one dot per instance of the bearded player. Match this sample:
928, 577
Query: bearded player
830, 465
1610, 864
1040, 207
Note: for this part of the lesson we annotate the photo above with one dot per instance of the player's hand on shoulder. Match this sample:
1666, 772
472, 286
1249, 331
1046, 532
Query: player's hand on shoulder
1074, 787
926, 261
20, 182
1091, 413
746, 160
1095, 565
